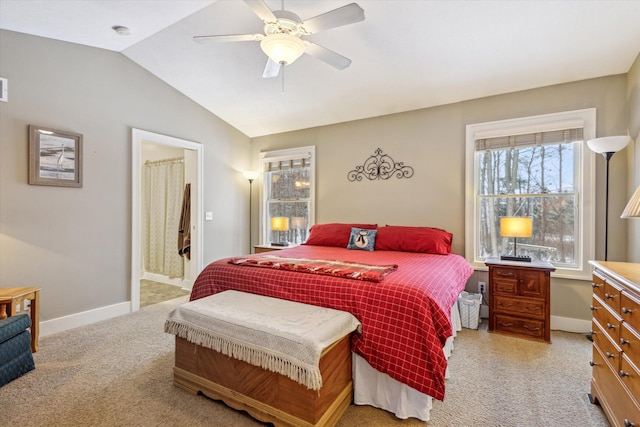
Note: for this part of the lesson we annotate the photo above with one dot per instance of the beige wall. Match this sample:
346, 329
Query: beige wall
432, 141
76, 243
633, 93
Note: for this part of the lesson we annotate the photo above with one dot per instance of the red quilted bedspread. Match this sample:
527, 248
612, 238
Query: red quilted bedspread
406, 317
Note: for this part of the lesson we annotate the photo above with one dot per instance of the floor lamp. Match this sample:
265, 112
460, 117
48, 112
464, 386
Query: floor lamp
607, 146
250, 175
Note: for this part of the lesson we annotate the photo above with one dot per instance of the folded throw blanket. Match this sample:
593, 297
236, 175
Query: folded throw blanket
344, 269
277, 335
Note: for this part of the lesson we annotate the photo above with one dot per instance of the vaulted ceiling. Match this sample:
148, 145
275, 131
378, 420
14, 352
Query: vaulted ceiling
406, 55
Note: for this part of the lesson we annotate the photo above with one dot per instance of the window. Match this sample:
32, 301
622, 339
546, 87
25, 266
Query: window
537, 167
287, 210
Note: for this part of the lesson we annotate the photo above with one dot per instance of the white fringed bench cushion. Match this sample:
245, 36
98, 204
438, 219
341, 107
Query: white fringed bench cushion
277, 335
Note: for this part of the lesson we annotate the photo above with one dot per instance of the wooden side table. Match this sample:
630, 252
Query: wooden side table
10, 298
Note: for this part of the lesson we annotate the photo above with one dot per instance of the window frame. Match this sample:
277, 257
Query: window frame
585, 207
265, 158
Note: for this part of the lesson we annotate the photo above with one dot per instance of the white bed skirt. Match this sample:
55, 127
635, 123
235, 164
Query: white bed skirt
374, 388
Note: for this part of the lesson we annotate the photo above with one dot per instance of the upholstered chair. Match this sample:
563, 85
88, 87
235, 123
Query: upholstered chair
16, 358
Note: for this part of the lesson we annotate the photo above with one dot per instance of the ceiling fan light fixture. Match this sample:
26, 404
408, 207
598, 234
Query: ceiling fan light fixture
282, 48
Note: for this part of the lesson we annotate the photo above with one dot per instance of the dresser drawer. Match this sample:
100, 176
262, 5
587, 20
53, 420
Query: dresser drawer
608, 320
612, 296
519, 306
629, 375
608, 390
630, 343
609, 349
530, 328
531, 284
598, 286
630, 310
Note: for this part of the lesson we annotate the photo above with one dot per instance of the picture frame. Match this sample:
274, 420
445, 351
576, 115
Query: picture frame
55, 157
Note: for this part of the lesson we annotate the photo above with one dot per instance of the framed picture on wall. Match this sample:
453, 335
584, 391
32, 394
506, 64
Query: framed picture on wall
55, 157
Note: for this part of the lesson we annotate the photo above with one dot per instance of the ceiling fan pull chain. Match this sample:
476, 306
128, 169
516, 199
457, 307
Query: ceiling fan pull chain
282, 72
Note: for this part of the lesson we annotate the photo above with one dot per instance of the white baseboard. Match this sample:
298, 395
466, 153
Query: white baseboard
569, 324
185, 284
72, 321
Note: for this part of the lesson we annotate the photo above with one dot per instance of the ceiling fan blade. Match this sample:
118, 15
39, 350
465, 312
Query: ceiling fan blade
335, 18
262, 10
330, 57
229, 38
272, 69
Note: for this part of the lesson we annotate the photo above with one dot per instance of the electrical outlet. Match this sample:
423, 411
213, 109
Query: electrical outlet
482, 287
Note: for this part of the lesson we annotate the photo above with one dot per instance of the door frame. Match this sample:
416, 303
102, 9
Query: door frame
138, 136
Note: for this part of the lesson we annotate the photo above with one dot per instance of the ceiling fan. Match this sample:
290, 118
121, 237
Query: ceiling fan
282, 40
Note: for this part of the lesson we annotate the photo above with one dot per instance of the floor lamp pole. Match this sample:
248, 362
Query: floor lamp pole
607, 157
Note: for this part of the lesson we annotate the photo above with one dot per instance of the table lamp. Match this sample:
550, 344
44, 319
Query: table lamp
280, 224
515, 226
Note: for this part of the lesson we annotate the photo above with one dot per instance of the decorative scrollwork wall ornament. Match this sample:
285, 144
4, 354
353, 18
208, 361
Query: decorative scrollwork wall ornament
380, 166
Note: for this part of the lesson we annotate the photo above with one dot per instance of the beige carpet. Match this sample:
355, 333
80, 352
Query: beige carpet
118, 373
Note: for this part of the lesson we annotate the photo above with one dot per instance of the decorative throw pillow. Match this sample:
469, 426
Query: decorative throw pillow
362, 239
333, 234
427, 240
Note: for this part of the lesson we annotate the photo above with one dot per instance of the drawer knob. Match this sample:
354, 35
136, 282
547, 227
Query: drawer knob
611, 356
592, 308
504, 274
623, 373
609, 296
626, 310
610, 326
528, 328
592, 363
623, 341
505, 324
596, 285
628, 423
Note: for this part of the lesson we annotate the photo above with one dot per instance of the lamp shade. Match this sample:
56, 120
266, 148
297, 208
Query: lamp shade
282, 48
250, 175
608, 144
515, 226
279, 223
633, 207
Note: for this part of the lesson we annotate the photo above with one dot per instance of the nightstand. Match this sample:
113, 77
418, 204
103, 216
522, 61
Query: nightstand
258, 249
520, 298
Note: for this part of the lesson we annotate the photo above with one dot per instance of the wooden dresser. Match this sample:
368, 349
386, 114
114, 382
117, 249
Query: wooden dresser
520, 298
615, 382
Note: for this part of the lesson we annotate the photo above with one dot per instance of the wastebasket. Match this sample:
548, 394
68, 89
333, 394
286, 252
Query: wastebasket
469, 305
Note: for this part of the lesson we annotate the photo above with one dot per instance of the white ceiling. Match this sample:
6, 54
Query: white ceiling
406, 54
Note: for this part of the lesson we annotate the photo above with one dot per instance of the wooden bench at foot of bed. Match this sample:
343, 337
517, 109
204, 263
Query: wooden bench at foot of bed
268, 396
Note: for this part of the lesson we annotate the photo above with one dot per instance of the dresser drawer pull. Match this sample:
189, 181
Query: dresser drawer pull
611, 356
626, 310
528, 307
530, 329
623, 341
594, 332
596, 285
592, 308
504, 289
592, 363
610, 326
623, 373
505, 305
505, 324
609, 296
628, 423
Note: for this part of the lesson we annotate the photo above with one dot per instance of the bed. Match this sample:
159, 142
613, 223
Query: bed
404, 297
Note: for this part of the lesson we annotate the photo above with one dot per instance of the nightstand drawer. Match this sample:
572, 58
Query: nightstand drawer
608, 348
630, 343
514, 325
519, 306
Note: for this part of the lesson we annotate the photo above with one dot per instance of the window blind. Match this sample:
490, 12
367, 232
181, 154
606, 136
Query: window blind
287, 164
530, 139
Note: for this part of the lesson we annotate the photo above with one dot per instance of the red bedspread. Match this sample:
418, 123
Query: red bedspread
405, 317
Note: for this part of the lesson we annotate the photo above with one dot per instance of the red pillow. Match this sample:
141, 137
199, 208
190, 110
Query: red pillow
334, 234
413, 239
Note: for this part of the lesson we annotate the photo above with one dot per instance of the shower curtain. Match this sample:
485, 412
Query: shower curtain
162, 207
